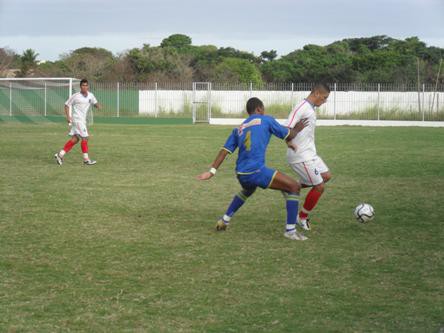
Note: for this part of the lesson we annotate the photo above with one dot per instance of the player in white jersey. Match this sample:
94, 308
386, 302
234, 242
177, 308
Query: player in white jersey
304, 160
79, 103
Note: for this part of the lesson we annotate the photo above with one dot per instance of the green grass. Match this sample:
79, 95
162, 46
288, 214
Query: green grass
128, 245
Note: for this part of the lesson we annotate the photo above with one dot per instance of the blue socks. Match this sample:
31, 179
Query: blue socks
237, 202
292, 204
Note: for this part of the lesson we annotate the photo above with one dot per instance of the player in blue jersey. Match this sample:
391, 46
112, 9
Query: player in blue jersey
252, 138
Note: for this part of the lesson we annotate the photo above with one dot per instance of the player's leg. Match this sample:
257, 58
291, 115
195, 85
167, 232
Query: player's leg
290, 188
319, 174
86, 159
237, 202
83, 133
66, 148
326, 176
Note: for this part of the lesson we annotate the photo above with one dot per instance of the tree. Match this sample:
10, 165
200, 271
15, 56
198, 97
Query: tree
88, 62
281, 70
229, 52
158, 64
237, 70
177, 41
268, 55
369, 59
7, 59
28, 61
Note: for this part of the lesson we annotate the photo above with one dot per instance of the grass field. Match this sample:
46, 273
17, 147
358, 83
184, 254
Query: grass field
129, 244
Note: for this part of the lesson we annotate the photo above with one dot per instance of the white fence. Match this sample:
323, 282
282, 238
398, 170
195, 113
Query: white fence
368, 102
232, 103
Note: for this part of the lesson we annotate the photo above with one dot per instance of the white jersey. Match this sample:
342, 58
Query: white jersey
80, 105
305, 139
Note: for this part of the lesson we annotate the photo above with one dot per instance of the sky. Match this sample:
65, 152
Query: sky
54, 27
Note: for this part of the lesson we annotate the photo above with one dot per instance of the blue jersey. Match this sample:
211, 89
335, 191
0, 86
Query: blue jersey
252, 138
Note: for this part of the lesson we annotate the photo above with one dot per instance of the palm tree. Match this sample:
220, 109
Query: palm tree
28, 61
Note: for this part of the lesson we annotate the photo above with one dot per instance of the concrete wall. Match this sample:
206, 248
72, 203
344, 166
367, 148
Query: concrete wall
232, 103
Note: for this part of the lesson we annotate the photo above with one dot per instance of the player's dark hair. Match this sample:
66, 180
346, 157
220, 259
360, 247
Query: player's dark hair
253, 103
82, 81
320, 87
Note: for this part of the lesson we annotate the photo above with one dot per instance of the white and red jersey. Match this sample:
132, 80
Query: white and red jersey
305, 139
80, 105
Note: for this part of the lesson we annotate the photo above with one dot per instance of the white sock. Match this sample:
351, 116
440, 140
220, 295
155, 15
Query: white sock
290, 228
85, 156
226, 218
62, 153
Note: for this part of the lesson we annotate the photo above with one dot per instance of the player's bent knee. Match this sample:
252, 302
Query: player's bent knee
326, 176
248, 192
320, 187
295, 187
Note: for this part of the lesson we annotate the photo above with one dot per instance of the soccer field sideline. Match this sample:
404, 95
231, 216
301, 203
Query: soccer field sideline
128, 244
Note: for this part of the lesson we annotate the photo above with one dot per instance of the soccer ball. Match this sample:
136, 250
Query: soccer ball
364, 212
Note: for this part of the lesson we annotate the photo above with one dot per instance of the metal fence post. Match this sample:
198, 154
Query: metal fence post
193, 103
423, 101
209, 101
377, 105
292, 92
10, 99
251, 89
45, 99
156, 102
334, 102
118, 99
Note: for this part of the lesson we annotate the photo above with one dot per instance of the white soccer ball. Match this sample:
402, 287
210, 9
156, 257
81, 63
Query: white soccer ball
364, 212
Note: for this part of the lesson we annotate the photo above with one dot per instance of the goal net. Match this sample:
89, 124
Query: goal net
36, 98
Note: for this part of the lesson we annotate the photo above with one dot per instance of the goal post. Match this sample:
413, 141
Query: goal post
36, 98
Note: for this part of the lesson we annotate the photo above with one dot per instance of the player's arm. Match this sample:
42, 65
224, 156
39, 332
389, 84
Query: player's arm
68, 105
299, 126
68, 114
96, 104
214, 166
287, 133
228, 148
296, 123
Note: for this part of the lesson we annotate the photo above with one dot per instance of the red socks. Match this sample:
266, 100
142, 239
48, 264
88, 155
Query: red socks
84, 145
310, 202
68, 146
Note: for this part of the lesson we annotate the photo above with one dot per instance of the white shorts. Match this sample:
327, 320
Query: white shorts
309, 172
78, 128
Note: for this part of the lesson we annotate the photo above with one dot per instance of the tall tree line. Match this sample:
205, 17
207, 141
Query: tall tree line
354, 60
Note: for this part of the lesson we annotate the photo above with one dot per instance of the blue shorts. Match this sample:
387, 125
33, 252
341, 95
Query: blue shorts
262, 178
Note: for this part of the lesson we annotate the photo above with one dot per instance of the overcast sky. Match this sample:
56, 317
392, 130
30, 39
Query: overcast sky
53, 27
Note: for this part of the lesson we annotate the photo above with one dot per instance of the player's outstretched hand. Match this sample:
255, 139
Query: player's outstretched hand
205, 175
301, 124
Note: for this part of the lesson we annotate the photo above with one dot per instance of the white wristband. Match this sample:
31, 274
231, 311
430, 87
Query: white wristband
213, 171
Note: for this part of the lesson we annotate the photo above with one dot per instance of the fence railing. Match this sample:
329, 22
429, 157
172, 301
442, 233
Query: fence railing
201, 101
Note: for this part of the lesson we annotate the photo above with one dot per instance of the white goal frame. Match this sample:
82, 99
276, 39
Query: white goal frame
69, 81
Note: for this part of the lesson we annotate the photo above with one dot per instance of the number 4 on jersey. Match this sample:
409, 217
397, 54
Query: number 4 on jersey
247, 141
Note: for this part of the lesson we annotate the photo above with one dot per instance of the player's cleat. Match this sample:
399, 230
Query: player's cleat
295, 235
89, 162
58, 159
221, 225
304, 224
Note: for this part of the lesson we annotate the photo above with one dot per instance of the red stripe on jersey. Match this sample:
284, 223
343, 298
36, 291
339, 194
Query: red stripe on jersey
294, 113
